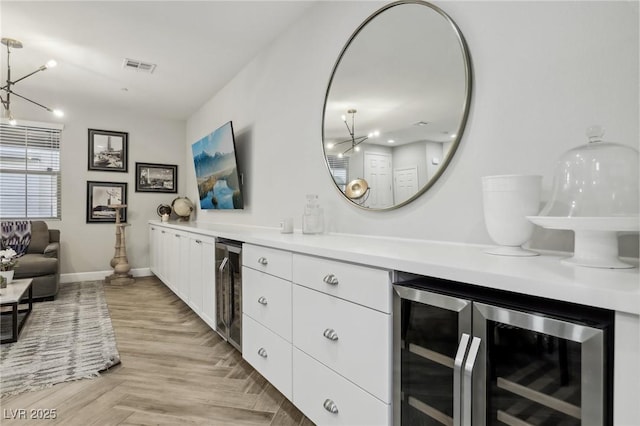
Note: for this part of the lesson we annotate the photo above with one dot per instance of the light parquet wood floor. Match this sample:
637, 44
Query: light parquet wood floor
174, 370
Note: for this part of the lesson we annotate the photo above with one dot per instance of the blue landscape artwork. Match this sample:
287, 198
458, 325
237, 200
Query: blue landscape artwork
214, 158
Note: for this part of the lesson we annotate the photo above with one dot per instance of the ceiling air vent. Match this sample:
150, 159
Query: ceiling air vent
135, 65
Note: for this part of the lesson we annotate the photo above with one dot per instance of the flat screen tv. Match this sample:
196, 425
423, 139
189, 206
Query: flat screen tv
214, 157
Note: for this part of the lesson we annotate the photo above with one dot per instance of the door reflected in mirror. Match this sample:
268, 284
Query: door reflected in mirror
396, 105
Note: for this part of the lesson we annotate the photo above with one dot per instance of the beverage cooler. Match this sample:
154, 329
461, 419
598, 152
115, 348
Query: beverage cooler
466, 356
229, 291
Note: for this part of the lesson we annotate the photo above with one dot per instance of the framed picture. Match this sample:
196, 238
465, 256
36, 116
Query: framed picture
101, 196
151, 177
108, 150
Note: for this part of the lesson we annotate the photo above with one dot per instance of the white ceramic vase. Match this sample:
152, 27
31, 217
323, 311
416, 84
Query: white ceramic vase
8, 275
507, 201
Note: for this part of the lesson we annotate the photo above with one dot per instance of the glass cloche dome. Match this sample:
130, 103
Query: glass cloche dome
595, 194
599, 179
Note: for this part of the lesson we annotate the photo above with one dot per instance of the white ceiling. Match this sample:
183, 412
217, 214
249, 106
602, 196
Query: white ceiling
198, 47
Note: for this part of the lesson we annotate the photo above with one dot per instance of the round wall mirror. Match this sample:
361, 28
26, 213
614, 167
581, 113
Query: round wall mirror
396, 105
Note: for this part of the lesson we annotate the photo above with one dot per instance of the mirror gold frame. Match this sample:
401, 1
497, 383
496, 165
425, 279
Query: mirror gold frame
405, 74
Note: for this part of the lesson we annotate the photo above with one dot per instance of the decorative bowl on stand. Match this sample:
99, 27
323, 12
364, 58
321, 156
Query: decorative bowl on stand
595, 195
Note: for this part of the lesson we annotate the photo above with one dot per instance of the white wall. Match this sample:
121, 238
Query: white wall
542, 73
87, 248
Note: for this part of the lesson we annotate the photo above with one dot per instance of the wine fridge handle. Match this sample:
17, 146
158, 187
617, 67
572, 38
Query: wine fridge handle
457, 378
220, 281
467, 390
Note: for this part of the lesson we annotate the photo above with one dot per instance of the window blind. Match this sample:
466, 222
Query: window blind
29, 172
339, 168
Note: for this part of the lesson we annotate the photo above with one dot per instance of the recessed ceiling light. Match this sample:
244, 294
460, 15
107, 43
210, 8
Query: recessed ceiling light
420, 123
391, 141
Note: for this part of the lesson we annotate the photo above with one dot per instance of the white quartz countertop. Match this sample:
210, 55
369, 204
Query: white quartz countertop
543, 275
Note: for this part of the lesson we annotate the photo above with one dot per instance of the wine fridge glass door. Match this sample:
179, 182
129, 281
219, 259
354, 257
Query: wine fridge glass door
429, 334
539, 370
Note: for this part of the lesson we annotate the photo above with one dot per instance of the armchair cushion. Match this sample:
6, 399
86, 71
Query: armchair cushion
39, 237
36, 265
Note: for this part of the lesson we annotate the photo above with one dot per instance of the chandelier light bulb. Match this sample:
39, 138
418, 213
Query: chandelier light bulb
340, 155
376, 133
344, 118
330, 145
12, 121
357, 149
8, 88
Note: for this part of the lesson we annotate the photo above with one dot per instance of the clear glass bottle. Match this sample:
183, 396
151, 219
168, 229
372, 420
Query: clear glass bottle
313, 217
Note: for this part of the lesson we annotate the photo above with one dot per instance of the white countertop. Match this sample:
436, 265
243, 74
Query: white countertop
543, 275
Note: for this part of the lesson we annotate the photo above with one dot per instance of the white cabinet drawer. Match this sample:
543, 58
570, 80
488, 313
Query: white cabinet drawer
267, 299
361, 348
272, 261
268, 353
314, 384
360, 284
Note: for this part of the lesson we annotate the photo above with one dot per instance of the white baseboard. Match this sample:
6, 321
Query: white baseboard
99, 275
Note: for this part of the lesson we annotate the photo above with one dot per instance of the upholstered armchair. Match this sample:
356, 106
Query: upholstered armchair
41, 261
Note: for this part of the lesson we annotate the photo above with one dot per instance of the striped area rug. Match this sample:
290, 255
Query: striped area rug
67, 339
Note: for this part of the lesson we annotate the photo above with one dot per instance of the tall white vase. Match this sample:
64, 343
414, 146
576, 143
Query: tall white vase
507, 200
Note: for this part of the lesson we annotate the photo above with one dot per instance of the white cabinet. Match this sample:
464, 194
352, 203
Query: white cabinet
183, 273
268, 260
266, 308
268, 353
323, 340
202, 267
267, 299
185, 262
351, 339
341, 342
158, 258
175, 259
327, 398
154, 241
356, 283
165, 255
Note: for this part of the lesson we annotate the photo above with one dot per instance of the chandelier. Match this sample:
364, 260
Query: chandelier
353, 139
8, 90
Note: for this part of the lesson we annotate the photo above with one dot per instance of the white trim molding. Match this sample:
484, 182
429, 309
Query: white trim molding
99, 275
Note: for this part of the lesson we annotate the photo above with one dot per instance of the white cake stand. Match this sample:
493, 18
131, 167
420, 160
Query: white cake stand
596, 238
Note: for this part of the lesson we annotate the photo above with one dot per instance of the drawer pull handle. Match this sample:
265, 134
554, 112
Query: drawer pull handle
177, 235
263, 261
198, 242
262, 300
330, 406
262, 352
330, 279
330, 334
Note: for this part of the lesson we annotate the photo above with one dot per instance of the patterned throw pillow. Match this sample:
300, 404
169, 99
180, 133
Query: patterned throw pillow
16, 235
